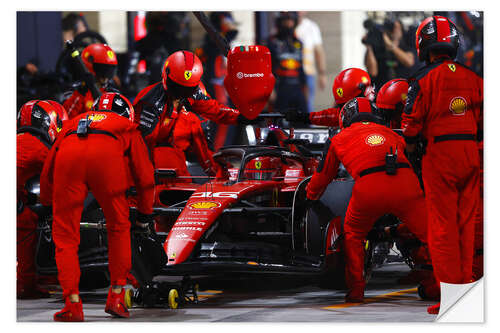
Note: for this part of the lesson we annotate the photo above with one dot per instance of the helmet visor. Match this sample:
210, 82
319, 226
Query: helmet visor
104, 70
178, 91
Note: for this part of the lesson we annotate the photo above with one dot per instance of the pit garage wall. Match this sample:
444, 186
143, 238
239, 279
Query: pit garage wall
38, 39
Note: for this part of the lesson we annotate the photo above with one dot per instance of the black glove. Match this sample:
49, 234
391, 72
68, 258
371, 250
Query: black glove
82, 88
377, 234
142, 222
245, 121
294, 116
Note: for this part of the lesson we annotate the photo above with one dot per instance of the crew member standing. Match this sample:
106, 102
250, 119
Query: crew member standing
39, 123
348, 84
100, 61
373, 155
89, 155
180, 89
445, 106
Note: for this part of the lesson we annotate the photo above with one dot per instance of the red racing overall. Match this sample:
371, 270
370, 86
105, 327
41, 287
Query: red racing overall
360, 147
177, 135
31, 154
152, 107
328, 117
445, 106
79, 103
96, 162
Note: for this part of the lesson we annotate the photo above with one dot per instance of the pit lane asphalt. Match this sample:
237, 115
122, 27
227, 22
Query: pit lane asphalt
262, 299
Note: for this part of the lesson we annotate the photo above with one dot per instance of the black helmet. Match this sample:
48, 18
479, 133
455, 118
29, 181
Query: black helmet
438, 34
116, 103
356, 110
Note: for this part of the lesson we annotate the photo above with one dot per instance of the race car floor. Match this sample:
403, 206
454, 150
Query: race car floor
262, 299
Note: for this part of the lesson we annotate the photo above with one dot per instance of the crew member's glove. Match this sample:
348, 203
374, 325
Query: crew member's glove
244, 121
312, 194
295, 116
82, 88
142, 222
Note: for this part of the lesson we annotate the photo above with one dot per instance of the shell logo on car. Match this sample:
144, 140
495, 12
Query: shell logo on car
375, 140
204, 205
458, 106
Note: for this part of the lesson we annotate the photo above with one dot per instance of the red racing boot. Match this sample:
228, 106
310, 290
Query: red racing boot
355, 295
70, 312
434, 309
115, 305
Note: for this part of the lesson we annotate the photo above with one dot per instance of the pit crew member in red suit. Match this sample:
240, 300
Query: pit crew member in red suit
445, 106
348, 84
89, 156
38, 124
100, 61
391, 99
362, 147
180, 88
477, 263
180, 134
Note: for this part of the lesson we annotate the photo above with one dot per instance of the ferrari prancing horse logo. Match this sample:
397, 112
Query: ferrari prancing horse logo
258, 165
187, 75
340, 92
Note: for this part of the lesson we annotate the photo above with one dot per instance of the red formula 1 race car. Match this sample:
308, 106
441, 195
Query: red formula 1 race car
252, 218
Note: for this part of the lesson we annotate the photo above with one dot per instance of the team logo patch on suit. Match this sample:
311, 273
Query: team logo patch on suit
452, 67
97, 117
187, 75
89, 104
205, 205
458, 106
375, 140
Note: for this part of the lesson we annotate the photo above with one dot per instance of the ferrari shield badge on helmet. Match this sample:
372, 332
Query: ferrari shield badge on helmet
187, 75
340, 92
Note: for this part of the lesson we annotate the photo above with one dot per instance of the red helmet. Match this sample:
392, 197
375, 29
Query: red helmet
61, 111
116, 103
356, 110
181, 74
43, 115
392, 96
350, 83
263, 168
439, 34
100, 60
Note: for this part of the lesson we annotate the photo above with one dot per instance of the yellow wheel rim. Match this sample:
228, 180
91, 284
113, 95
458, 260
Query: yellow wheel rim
128, 298
173, 296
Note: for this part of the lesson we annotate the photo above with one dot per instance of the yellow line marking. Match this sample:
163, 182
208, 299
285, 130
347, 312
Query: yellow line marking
372, 299
212, 291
